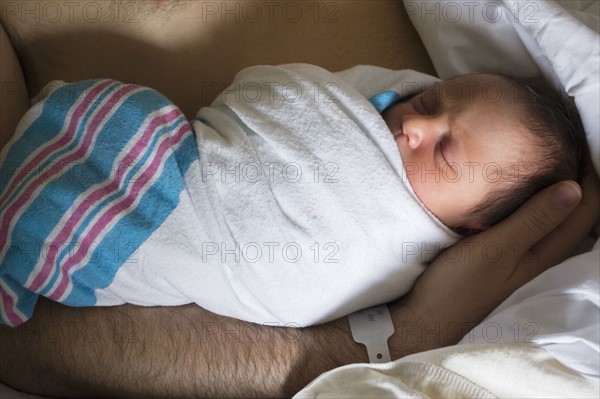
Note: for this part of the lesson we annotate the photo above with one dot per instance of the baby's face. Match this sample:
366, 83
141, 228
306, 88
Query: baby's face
460, 140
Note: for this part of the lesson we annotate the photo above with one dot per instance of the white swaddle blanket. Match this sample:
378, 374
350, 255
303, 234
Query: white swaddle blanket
294, 211
302, 211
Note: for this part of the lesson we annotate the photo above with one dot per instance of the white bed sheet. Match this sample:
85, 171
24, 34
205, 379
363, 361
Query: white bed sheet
559, 311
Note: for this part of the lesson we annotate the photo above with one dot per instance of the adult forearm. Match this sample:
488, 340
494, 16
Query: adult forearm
13, 98
184, 351
157, 352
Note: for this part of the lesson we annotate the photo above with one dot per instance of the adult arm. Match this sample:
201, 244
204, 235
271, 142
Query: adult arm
13, 92
188, 352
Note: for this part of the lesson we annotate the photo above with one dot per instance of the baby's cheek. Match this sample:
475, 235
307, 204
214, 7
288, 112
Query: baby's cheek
424, 190
452, 173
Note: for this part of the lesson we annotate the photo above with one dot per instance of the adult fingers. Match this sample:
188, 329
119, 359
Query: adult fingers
477, 273
539, 216
564, 240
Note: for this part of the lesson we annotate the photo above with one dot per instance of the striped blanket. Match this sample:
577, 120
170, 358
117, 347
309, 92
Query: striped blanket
97, 161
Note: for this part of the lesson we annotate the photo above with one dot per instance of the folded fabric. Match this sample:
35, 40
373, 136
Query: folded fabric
558, 311
463, 371
285, 204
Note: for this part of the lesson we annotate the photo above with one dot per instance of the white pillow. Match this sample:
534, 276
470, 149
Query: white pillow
519, 37
469, 37
569, 52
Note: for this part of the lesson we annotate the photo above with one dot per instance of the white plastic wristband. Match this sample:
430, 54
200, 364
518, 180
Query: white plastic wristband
372, 327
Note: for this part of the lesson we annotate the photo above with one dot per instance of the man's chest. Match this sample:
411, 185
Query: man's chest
191, 50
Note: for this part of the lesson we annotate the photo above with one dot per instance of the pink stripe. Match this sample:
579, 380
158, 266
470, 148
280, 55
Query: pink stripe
90, 132
65, 139
95, 196
118, 208
9, 305
62, 163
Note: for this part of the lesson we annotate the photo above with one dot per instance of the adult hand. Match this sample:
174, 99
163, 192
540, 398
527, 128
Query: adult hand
468, 280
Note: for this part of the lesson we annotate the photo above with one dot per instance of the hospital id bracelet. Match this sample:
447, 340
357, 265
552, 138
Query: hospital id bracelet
372, 327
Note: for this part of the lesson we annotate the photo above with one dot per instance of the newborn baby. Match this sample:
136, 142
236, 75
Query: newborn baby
477, 146
292, 200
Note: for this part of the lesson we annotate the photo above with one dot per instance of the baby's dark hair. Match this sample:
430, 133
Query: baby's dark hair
552, 118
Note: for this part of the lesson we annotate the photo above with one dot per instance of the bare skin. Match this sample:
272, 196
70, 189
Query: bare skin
185, 351
190, 50
14, 100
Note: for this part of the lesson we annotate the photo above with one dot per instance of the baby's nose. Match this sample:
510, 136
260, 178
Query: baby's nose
415, 138
423, 130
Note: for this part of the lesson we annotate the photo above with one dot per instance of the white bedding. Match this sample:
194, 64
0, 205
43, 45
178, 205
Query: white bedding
559, 311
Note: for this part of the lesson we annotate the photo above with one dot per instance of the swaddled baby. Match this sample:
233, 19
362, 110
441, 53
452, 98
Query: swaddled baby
297, 197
